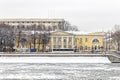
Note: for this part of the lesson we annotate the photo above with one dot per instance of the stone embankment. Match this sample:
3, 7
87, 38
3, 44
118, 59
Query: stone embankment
113, 57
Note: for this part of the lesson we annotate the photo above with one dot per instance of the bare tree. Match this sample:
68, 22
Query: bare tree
69, 27
7, 36
116, 36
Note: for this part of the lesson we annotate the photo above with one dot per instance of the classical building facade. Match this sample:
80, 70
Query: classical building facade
56, 41
70, 41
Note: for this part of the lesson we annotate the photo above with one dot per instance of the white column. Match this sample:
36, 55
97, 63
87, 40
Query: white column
67, 41
52, 43
56, 41
72, 42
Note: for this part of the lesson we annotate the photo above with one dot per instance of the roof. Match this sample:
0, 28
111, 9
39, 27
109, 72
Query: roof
71, 32
30, 19
85, 33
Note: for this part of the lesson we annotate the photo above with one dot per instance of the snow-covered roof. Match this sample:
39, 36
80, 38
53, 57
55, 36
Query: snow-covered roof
85, 33
71, 32
32, 32
77, 32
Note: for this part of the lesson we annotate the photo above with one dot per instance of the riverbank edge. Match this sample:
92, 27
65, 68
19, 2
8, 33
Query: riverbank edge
113, 57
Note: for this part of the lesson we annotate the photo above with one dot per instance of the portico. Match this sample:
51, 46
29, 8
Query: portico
62, 41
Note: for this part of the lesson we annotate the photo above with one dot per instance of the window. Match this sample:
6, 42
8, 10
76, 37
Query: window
64, 40
59, 46
70, 46
95, 41
23, 26
54, 39
75, 39
65, 46
49, 22
86, 47
54, 46
81, 47
18, 27
80, 40
86, 39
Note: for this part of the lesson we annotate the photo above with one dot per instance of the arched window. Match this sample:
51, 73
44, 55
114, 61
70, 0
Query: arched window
95, 41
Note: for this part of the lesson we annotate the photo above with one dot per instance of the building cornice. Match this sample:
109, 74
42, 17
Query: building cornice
30, 19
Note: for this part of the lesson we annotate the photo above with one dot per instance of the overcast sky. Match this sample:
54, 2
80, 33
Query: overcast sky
88, 15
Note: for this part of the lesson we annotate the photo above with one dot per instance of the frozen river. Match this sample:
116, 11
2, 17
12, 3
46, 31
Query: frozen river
59, 68
59, 71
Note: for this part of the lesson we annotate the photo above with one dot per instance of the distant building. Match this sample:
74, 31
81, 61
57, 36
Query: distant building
34, 23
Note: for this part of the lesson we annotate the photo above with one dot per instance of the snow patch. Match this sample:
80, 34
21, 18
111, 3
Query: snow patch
54, 60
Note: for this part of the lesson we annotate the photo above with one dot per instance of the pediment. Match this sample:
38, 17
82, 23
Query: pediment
61, 33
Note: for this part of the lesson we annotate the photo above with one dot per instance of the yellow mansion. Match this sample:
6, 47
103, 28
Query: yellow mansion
63, 41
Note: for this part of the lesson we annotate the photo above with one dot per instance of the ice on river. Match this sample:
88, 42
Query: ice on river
59, 71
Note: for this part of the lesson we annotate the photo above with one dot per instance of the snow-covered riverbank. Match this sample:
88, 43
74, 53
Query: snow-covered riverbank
54, 60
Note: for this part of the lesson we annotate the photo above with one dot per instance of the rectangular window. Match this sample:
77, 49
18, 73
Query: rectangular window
54, 39
64, 46
70, 46
54, 46
64, 39
57, 46
59, 39
86, 47
80, 40
86, 39
75, 39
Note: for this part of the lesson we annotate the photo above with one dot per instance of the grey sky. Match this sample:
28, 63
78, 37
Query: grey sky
88, 15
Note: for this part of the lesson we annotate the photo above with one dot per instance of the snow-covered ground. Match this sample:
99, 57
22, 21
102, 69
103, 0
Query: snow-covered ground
54, 60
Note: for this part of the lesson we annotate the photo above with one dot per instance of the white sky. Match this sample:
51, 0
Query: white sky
88, 15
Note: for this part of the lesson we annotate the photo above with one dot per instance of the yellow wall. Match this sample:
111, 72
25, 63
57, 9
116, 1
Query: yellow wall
89, 43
